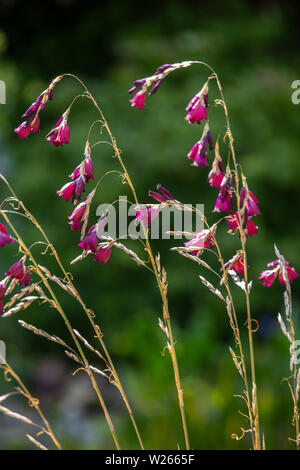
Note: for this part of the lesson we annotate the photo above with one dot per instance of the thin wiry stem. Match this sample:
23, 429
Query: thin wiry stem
152, 260
8, 370
88, 312
25, 250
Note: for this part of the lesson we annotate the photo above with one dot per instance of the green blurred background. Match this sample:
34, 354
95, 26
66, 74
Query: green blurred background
254, 47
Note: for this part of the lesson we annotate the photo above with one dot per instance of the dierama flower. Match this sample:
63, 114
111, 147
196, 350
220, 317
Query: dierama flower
147, 215
78, 215
32, 114
164, 196
103, 254
201, 240
73, 190
5, 238
216, 174
20, 272
248, 225
224, 201
90, 241
236, 264
197, 107
138, 101
198, 152
85, 168
247, 198
268, 276
2, 293
60, 134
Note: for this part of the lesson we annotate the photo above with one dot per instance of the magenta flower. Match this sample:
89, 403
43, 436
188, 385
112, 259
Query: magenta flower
236, 264
197, 107
224, 201
32, 114
103, 254
198, 152
201, 240
90, 241
216, 174
251, 202
67, 191
85, 168
147, 215
20, 272
73, 190
138, 101
5, 238
60, 134
164, 196
2, 293
248, 225
77, 216
269, 276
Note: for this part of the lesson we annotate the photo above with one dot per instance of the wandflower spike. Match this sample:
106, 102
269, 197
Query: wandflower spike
5, 238
250, 201
270, 275
85, 168
20, 272
163, 197
236, 264
147, 214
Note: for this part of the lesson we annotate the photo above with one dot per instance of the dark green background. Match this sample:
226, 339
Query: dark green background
254, 47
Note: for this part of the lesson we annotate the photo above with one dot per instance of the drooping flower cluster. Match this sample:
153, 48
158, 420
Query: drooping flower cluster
198, 152
275, 270
60, 134
82, 174
201, 240
197, 106
31, 116
148, 212
19, 272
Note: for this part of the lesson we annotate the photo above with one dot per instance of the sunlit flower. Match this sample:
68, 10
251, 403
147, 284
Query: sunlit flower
236, 264
32, 122
5, 238
224, 201
248, 225
85, 168
197, 107
164, 196
201, 240
268, 276
77, 216
198, 152
2, 293
67, 191
103, 254
90, 241
216, 174
147, 214
20, 272
60, 134
251, 202
138, 101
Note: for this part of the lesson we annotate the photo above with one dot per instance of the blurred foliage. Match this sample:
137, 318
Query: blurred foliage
254, 47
